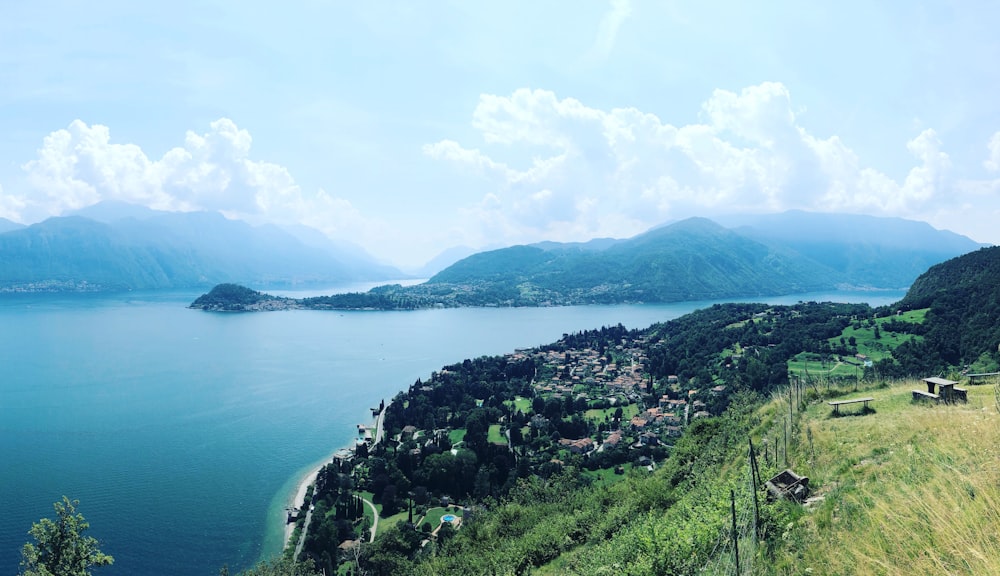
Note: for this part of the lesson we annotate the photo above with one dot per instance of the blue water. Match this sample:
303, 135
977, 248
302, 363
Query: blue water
183, 433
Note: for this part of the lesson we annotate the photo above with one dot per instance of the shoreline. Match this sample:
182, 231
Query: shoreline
296, 499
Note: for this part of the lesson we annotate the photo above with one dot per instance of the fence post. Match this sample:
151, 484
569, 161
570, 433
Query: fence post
736, 535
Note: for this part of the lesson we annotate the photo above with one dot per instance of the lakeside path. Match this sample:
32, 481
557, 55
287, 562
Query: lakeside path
298, 501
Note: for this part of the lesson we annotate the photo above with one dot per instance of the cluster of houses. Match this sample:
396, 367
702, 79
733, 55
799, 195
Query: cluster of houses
581, 446
601, 378
586, 374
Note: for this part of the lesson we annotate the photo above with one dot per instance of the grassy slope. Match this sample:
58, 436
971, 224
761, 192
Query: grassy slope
909, 489
867, 344
906, 489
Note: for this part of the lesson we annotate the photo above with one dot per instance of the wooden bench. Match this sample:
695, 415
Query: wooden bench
975, 378
950, 393
838, 403
921, 395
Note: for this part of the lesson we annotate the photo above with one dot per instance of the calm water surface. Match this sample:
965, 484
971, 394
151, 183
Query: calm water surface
182, 433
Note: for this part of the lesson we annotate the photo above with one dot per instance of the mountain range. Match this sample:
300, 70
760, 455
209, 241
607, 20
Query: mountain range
114, 246
117, 246
698, 259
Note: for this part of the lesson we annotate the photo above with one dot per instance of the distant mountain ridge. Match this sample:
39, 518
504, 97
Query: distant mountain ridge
124, 247
7, 225
881, 251
442, 261
115, 246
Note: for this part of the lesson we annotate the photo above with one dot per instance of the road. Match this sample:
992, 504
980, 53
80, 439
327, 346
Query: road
302, 537
374, 527
379, 430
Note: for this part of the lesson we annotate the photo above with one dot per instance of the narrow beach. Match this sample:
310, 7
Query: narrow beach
297, 498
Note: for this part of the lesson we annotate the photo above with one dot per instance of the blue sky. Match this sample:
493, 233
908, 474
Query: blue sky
411, 127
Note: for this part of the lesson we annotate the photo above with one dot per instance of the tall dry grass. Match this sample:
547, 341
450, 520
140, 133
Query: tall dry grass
908, 489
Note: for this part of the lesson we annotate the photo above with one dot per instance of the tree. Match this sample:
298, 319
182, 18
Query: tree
60, 548
282, 567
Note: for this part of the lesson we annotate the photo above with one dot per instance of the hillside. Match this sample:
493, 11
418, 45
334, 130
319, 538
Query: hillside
569, 464
122, 247
905, 488
963, 295
909, 489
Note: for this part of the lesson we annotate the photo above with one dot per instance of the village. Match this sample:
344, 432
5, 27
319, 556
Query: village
587, 404
611, 386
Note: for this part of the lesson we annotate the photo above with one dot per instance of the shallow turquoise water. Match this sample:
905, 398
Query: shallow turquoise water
182, 433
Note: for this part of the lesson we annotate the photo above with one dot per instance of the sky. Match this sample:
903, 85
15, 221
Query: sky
412, 127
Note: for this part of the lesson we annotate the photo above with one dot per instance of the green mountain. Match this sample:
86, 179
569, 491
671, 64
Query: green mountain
694, 259
963, 298
698, 259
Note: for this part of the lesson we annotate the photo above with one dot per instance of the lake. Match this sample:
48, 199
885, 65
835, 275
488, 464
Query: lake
183, 433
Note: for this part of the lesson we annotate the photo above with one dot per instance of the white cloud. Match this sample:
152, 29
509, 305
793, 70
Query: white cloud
993, 162
616, 172
80, 165
451, 150
761, 115
10, 206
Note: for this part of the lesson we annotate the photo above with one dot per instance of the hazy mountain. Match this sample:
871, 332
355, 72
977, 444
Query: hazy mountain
110, 211
145, 249
442, 261
595, 244
348, 253
7, 225
867, 250
75, 253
